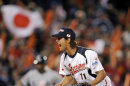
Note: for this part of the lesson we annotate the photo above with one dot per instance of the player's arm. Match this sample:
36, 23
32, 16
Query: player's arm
100, 76
67, 80
96, 67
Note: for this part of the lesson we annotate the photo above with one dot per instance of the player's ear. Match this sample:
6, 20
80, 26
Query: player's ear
68, 40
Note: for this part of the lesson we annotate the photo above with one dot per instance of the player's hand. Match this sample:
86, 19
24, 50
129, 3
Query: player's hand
82, 84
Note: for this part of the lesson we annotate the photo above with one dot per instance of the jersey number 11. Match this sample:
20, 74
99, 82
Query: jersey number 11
83, 76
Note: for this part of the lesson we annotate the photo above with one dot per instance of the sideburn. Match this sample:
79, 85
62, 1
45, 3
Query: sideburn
73, 43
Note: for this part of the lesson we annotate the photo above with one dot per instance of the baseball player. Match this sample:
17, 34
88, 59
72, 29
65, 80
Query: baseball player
39, 76
79, 65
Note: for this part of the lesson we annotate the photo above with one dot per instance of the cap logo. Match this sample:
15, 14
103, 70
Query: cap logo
68, 35
61, 30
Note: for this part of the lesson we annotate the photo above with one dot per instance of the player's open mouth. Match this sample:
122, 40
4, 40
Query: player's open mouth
59, 45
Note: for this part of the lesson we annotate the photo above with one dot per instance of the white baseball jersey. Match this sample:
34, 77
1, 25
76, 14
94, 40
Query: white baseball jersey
35, 78
83, 66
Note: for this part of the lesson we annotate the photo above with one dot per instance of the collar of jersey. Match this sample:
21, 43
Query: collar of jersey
74, 54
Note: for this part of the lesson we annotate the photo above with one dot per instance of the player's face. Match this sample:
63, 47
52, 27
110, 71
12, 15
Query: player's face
39, 67
62, 43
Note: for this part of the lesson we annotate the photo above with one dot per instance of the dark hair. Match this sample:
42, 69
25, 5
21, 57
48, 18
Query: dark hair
73, 43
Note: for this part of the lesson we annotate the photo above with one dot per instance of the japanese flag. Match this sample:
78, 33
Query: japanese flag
21, 22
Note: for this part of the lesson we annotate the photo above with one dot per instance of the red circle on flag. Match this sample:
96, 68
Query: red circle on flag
21, 21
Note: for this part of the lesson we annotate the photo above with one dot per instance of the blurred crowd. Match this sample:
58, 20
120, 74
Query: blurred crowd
102, 25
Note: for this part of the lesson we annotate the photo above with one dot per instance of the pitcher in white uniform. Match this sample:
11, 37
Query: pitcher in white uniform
79, 65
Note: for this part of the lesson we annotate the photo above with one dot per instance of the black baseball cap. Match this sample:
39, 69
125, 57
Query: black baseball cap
65, 32
40, 59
